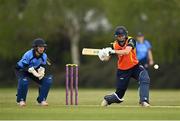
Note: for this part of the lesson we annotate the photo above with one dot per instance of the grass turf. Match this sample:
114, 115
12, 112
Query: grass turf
165, 106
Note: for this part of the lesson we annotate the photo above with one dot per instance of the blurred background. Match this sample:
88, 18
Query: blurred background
70, 25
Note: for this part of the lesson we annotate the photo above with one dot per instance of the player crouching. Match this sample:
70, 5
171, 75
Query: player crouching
32, 67
128, 66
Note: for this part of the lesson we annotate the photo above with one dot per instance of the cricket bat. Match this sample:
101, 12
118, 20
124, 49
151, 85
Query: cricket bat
90, 51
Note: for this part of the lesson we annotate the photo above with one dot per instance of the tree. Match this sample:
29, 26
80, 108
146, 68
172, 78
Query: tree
73, 28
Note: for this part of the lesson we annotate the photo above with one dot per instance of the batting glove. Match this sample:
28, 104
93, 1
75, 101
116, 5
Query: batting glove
109, 50
103, 55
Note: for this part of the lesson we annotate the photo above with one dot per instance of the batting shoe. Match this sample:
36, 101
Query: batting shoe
112, 98
22, 103
43, 103
145, 104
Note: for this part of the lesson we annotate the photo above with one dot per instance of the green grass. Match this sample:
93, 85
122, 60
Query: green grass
165, 106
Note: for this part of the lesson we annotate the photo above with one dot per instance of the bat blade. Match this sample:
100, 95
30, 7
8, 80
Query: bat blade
90, 51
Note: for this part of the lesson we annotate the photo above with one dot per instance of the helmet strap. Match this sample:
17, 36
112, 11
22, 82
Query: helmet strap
122, 42
37, 52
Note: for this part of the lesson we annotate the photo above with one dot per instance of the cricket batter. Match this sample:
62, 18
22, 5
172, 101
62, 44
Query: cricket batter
32, 66
127, 66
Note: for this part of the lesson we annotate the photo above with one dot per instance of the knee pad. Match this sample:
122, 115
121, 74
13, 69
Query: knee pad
144, 77
48, 79
23, 81
22, 89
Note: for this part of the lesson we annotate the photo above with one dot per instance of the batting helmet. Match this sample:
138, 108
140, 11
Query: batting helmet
39, 42
120, 30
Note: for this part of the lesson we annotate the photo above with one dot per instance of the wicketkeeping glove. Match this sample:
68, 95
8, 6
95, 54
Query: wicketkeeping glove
34, 72
41, 72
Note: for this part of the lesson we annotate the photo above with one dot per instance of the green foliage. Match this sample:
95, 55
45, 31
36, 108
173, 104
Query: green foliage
157, 19
21, 21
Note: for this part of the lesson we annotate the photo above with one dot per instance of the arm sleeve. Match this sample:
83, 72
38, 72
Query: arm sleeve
148, 44
25, 59
43, 65
132, 43
23, 64
44, 62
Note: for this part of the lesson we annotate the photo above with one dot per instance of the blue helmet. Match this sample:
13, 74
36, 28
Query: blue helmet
120, 30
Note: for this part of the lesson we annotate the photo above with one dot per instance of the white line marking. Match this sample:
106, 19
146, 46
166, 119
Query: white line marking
133, 106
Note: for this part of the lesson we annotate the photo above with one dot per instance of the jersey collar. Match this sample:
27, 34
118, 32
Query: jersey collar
34, 55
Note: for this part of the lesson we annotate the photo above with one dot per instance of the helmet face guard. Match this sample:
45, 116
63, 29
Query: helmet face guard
39, 43
121, 38
120, 33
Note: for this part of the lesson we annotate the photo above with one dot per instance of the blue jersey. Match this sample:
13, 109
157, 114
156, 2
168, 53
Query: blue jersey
29, 59
142, 50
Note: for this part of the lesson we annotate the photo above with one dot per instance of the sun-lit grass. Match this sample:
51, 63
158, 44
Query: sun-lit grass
165, 105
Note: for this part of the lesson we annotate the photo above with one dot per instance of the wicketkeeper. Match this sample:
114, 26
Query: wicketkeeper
32, 66
128, 66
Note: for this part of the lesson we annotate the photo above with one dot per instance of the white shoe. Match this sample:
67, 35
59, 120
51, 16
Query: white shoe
145, 104
22, 103
104, 103
43, 103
